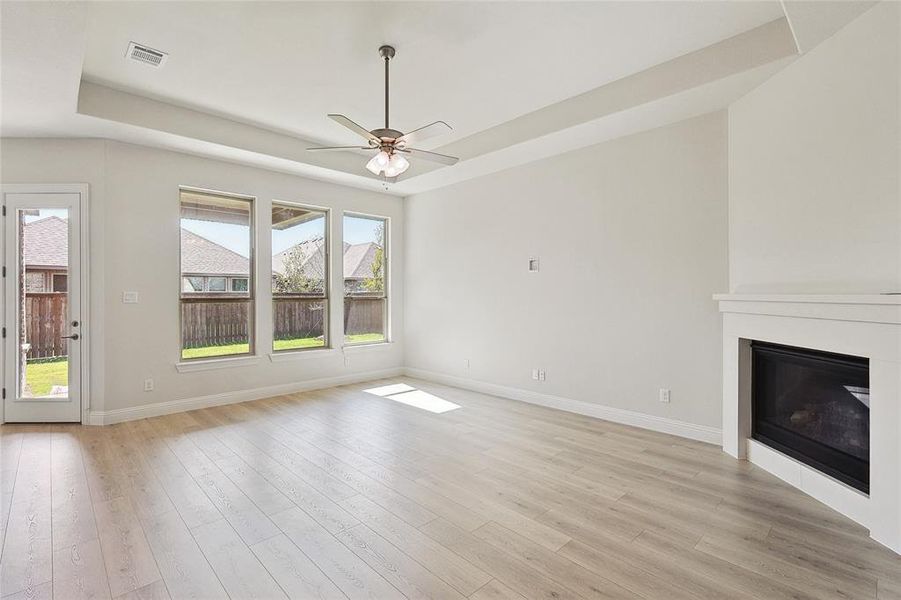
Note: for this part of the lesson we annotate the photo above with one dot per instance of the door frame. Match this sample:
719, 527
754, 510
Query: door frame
83, 190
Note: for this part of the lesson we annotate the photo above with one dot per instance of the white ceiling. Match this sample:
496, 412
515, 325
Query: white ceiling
474, 65
261, 76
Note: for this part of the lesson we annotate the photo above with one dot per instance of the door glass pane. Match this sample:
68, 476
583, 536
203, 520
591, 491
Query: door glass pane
43, 362
365, 290
299, 277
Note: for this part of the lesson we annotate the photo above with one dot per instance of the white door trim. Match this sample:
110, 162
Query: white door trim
83, 190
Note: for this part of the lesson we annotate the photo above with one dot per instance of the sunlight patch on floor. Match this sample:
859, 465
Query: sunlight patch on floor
387, 390
406, 394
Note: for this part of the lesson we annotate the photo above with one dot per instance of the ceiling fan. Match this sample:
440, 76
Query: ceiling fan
391, 145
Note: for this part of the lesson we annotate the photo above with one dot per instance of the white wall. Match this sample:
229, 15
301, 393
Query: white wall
813, 168
135, 247
631, 236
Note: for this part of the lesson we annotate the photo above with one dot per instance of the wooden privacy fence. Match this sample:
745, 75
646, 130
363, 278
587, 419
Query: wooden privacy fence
45, 324
214, 321
297, 317
363, 315
217, 321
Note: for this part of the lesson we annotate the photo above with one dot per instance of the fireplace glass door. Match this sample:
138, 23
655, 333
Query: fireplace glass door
815, 407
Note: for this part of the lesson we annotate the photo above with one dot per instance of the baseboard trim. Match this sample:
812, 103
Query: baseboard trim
120, 415
700, 433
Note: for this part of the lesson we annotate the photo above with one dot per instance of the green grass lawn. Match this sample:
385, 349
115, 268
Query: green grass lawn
295, 344
41, 377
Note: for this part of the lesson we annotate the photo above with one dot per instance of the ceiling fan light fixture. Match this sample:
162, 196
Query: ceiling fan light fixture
378, 163
396, 165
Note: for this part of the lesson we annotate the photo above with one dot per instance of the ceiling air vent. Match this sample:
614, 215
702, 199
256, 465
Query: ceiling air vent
145, 55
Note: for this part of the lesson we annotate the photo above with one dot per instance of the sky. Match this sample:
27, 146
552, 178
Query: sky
43, 213
357, 230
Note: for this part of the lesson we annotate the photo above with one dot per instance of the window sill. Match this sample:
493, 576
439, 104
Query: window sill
375, 346
216, 363
289, 355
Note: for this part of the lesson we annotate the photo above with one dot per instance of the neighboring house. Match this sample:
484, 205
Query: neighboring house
209, 268
311, 254
46, 255
358, 259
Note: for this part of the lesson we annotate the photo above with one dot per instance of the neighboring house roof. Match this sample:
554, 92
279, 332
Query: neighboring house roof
202, 256
46, 243
358, 260
313, 258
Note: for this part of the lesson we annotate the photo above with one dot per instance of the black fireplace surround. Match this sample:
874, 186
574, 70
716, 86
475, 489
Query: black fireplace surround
813, 406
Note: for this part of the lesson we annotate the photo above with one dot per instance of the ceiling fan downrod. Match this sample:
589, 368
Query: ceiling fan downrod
386, 52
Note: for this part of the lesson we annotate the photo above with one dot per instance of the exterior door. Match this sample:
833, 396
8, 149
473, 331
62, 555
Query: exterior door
42, 329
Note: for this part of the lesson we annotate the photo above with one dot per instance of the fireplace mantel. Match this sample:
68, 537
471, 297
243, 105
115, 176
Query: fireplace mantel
872, 308
867, 325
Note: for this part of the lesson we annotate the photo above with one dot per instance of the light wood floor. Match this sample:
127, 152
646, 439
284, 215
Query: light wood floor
343, 494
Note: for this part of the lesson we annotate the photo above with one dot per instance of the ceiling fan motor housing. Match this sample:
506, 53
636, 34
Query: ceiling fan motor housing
386, 134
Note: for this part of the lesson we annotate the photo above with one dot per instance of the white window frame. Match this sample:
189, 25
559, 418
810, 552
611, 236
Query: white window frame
326, 292
224, 359
386, 250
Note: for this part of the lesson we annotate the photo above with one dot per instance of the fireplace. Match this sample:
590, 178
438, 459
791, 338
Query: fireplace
815, 407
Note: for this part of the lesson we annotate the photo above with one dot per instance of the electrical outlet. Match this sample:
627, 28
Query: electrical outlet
148, 385
466, 363
664, 395
346, 360
129, 297
540, 374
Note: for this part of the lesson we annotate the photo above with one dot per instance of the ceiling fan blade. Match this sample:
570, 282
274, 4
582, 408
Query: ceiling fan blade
358, 129
427, 131
342, 148
434, 156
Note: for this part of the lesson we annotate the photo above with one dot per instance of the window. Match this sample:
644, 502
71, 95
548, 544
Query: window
299, 277
60, 282
217, 284
192, 284
216, 243
365, 279
239, 284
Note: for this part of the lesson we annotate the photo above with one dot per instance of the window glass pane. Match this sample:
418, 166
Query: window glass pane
365, 277
299, 277
192, 284
215, 245
239, 285
42, 367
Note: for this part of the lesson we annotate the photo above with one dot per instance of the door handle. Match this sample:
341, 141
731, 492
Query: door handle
72, 337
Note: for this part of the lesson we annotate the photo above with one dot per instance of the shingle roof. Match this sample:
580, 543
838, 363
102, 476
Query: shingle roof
46, 243
358, 260
201, 256
314, 258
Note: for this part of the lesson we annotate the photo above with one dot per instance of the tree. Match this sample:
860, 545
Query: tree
376, 282
300, 273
